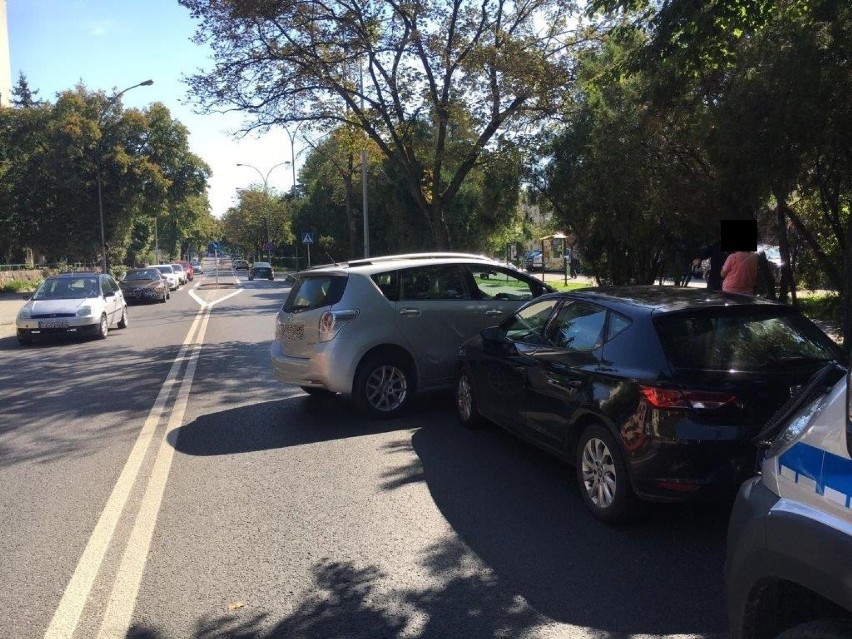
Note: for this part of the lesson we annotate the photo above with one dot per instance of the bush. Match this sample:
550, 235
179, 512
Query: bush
821, 306
18, 286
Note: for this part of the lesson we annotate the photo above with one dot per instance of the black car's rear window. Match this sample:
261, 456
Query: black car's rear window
314, 292
742, 341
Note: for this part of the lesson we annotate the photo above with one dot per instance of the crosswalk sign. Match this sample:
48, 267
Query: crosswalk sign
307, 238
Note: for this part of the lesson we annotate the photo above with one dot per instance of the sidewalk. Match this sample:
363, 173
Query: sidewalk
10, 304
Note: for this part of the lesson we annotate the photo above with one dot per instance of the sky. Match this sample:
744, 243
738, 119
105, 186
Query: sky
110, 45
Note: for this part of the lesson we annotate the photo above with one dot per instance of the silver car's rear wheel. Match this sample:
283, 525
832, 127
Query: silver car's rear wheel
382, 387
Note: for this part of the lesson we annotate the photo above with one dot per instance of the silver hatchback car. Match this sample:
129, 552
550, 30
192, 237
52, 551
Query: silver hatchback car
380, 329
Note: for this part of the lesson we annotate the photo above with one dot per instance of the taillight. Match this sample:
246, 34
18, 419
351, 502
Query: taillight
668, 398
331, 322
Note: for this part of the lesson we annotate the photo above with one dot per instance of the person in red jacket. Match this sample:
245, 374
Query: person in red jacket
739, 273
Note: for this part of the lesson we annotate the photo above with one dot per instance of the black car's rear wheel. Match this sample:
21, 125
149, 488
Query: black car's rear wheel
466, 406
381, 389
603, 477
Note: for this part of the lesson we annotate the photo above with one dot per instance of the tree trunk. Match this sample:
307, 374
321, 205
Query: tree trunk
846, 292
788, 284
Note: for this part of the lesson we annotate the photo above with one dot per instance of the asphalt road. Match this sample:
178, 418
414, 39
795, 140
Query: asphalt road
161, 484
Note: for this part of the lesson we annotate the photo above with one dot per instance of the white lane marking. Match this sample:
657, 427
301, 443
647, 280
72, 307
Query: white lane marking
122, 601
70, 607
205, 304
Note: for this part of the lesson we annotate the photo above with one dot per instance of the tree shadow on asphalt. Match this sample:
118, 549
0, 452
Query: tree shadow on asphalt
525, 553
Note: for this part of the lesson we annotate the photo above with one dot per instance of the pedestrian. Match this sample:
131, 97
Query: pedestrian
714, 253
739, 273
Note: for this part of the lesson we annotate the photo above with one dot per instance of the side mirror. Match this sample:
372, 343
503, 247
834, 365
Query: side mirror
109, 293
26, 297
494, 340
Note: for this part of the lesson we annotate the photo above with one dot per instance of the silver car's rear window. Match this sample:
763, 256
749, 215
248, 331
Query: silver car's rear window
315, 292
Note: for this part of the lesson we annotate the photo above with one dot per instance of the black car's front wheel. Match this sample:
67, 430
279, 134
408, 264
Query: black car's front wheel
603, 477
467, 409
382, 387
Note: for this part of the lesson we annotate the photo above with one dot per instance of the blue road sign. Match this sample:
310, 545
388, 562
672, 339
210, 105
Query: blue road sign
307, 238
213, 246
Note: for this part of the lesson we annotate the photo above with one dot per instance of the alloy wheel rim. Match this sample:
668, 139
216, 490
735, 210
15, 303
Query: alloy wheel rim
598, 470
465, 400
387, 388
104, 326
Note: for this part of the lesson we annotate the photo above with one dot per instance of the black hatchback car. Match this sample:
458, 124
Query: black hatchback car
651, 392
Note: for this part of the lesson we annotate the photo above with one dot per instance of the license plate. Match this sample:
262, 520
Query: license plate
294, 332
52, 324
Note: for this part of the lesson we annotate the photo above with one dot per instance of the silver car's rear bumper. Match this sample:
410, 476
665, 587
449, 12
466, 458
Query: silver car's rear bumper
318, 370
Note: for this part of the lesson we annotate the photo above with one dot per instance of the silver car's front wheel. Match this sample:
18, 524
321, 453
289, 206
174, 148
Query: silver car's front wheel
466, 408
382, 388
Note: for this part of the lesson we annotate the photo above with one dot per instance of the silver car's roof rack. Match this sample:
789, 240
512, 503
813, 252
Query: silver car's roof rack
416, 256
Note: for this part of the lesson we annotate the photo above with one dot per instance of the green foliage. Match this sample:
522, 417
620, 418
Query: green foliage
18, 286
505, 66
822, 306
55, 156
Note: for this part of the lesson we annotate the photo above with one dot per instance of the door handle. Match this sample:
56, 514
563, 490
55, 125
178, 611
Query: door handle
410, 312
494, 312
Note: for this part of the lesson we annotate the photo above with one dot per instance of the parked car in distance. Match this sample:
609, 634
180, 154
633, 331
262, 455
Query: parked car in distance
189, 269
651, 392
533, 260
171, 275
144, 285
380, 329
262, 270
789, 557
240, 265
72, 304
197, 267
182, 274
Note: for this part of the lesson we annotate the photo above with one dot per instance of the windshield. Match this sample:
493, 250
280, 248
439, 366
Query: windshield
166, 269
149, 274
68, 288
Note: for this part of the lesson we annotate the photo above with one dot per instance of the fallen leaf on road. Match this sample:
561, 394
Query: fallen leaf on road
235, 605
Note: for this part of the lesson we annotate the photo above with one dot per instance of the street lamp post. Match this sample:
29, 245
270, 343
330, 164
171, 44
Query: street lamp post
109, 103
265, 179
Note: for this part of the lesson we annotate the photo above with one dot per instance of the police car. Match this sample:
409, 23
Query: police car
789, 565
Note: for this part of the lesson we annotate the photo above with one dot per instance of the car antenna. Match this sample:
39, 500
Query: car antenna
328, 255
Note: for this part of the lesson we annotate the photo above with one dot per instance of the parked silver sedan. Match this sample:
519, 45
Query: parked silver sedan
73, 304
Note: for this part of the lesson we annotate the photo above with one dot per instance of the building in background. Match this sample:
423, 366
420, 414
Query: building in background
5, 62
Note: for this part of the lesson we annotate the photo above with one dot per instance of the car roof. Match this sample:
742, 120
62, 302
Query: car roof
77, 274
261, 264
667, 299
371, 265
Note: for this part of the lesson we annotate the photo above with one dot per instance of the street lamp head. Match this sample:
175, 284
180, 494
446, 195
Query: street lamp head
147, 83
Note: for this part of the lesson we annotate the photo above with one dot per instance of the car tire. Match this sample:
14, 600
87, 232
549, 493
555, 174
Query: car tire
467, 409
602, 476
250, 278
819, 629
25, 340
164, 298
382, 387
103, 327
122, 323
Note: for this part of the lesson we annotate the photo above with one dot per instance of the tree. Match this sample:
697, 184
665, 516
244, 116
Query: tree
499, 65
259, 217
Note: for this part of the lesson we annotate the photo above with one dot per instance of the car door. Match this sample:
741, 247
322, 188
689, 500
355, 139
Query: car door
561, 381
435, 314
112, 299
499, 291
501, 368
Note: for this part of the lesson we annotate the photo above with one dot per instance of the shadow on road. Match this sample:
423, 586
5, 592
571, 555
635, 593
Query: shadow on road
513, 509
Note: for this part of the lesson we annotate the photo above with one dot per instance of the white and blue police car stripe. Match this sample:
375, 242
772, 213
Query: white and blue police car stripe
829, 475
